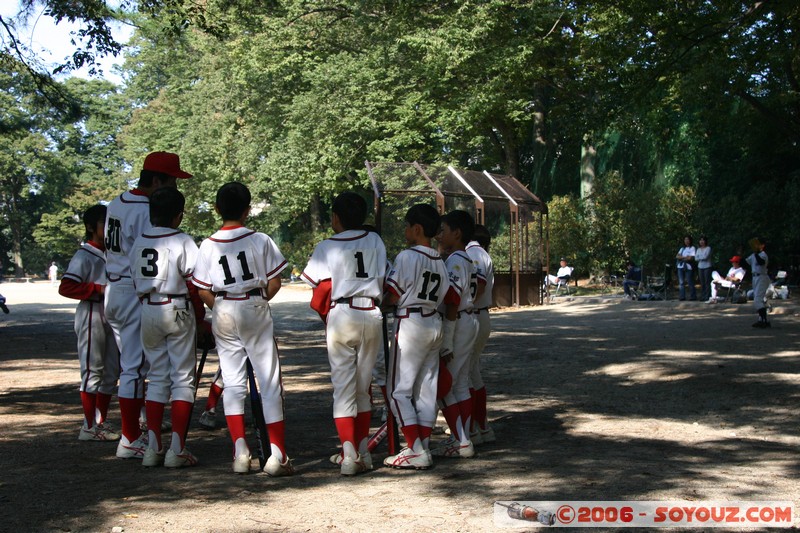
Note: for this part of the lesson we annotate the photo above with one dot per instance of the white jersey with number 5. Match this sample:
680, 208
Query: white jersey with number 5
354, 261
128, 216
237, 260
162, 259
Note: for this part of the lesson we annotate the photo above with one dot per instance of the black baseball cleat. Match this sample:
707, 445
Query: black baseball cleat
4, 308
762, 325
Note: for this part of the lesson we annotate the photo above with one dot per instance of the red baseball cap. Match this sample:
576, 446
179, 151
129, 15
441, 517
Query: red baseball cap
735, 259
165, 163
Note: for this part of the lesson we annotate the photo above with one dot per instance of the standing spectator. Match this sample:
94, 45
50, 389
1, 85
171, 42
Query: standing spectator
703, 258
684, 259
53, 273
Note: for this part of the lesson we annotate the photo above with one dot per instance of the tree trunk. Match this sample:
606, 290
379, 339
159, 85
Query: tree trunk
315, 213
588, 156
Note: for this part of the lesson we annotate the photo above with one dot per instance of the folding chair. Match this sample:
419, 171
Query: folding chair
658, 287
564, 282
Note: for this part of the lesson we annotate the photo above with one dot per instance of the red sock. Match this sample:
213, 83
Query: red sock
451, 413
346, 428
362, 430
129, 413
425, 432
213, 396
181, 412
155, 415
411, 433
235, 427
479, 407
103, 401
276, 432
88, 401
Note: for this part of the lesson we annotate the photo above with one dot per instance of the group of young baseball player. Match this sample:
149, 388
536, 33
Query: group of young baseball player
143, 287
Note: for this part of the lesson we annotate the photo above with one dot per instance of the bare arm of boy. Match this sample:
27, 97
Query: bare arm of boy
273, 287
207, 297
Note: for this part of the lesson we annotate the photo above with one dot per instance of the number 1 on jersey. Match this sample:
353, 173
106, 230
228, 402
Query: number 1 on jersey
246, 274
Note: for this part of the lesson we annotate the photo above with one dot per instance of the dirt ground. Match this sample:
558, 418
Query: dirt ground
590, 398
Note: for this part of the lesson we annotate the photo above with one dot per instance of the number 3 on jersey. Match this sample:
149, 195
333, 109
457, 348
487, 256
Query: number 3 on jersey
113, 230
151, 263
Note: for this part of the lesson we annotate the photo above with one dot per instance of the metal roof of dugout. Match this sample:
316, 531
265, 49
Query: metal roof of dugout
515, 217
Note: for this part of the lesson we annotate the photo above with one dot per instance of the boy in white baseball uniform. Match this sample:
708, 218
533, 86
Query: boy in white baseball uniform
459, 330
353, 264
759, 261
85, 280
162, 261
417, 286
478, 251
128, 217
238, 272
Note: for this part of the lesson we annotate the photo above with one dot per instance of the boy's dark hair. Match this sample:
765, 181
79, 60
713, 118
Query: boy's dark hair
92, 216
148, 177
460, 220
351, 209
426, 216
481, 235
165, 204
232, 200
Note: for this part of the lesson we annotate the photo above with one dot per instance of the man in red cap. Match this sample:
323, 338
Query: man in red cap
734, 277
128, 216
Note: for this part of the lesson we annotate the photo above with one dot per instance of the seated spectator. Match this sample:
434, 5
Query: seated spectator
632, 278
735, 276
562, 276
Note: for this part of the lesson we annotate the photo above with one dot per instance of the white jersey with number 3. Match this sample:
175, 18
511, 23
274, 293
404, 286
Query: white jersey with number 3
354, 261
128, 216
237, 260
162, 259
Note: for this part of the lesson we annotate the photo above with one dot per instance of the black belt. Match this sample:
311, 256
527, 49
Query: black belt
409, 310
239, 295
349, 301
169, 298
466, 311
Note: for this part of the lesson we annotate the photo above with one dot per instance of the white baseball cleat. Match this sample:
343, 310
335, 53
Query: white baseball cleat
475, 436
180, 460
487, 435
132, 450
351, 467
366, 457
454, 448
208, 420
241, 464
97, 433
409, 459
275, 468
153, 457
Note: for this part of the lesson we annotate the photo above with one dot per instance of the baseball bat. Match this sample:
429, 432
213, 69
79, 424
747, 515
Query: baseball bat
197, 375
378, 437
394, 437
262, 440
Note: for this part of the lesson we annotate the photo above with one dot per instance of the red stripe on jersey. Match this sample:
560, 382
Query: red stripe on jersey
436, 257
344, 239
232, 240
452, 297
311, 281
201, 283
394, 287
278, 269
135, 192
146, 236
